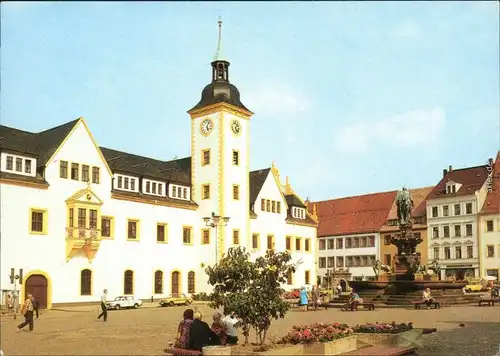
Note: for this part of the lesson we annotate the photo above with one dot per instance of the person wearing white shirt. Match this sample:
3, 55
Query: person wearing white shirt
231, 324
428, 299
104, 309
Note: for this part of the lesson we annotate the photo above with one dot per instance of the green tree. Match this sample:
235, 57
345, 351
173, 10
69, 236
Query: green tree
252, 290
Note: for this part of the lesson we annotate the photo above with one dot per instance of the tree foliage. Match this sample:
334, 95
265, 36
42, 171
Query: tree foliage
252, 290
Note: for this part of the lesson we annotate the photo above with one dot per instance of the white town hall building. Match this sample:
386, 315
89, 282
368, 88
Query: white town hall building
78, 218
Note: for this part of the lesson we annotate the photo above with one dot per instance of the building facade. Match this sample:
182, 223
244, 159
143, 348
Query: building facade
348, 234
78, 218
419, 228
452, 221
489, 223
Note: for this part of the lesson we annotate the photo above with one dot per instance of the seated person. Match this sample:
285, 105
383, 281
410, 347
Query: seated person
232, 323
354, 300
183, 330
219, 328
495, 292
428, 299
200, 334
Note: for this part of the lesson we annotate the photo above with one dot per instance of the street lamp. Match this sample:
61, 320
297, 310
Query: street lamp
216, 221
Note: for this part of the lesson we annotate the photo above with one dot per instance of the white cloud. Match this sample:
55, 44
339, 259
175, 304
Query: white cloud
276, 99
408, 29
419, 127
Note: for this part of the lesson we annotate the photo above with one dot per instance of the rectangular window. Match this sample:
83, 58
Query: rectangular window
490, 251
340, 243
297, 244
468, 230
434, 211
387, 240
387, 259
93, 219
348, 242
85, 173
446, 210
436, 253
75, 168
205, 240
263, 204
322, 244
206, 191
236, 158
307, 277
371, 241
37, 221
10, 163
148, 186
160, 187
340, 262
82, 218
489, 225
205, 157
19, 164
435, 232
186, 235
307, 245
470, 252
236, 237
331, 262
278, 207
125, 183
458, 231
160, 233
288, 243
120, 182
106, 227
446, 231
255, 241
27, 166
362, 241
458, 252
356, 242
447, 254
236, 192
457, 209
95, 175
331, 244
273, 206
268, 205
153, 188
270, 242
185, 193
132, 230
179, 192
468, 208
322, 262
71, 217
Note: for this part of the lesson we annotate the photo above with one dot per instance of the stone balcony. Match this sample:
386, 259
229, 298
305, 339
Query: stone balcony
80, 240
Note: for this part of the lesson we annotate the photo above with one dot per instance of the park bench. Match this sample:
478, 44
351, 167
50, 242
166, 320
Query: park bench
418, 303
490, 301
181, 352
383, 351
365, 305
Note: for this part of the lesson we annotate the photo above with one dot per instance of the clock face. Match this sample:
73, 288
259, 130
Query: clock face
206, 127
235, 127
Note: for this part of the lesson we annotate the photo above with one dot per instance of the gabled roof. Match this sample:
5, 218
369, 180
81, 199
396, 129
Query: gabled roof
492, 203
293, 200
42, 144
472, 179
354, 215
177, 171
257, 180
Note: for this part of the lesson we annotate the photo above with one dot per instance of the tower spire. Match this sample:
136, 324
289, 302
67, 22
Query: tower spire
218, 54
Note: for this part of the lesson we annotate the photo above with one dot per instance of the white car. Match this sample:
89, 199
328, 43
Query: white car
124, 302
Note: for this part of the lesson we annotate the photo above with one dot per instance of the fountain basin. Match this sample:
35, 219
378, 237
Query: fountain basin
405, 286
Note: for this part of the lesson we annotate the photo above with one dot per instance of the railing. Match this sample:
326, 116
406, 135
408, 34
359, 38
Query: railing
83, 233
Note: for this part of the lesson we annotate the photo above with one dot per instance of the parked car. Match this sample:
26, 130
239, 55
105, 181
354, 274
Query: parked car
175, 299
473, 288
124, 302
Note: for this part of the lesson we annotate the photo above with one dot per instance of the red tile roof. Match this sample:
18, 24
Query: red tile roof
492, 203
472, 179
354, 215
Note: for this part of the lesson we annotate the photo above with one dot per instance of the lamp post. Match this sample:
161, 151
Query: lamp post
216, 221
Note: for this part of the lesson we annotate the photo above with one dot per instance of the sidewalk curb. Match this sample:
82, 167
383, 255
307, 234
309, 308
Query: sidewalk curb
90, 308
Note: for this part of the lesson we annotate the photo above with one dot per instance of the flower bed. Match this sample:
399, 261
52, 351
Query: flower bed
383, 328
313, 333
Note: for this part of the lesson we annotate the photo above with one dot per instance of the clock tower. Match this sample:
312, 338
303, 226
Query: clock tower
220, 157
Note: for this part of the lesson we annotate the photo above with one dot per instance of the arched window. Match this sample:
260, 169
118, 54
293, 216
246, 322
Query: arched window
86, 282
128, 282
191, 288
175, 282
158, 282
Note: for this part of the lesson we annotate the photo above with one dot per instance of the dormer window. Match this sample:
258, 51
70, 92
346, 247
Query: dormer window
298, 213
452, 187
18, 164
127, 183
179, 192
152, 187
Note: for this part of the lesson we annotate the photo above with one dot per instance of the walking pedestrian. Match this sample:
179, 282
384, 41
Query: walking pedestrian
104, 310
27, 310
36, 306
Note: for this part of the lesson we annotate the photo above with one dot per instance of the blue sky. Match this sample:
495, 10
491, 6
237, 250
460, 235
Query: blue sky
349, 97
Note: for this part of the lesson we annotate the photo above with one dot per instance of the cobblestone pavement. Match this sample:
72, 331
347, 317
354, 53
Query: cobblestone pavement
147, 331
